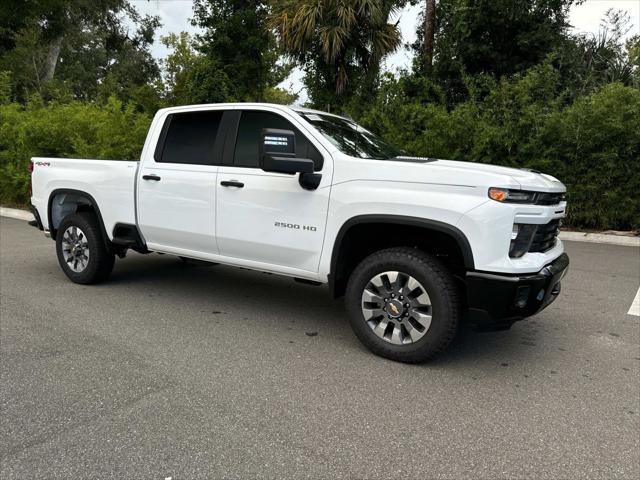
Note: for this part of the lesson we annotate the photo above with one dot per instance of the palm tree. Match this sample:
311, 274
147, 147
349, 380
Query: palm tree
429, 33
341, 34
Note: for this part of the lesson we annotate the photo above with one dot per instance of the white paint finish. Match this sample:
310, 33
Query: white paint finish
357, 198
109, 182
15, 213
246, 218
237, 262
634, 309
453, 193
179, 210
488, 229
601, 238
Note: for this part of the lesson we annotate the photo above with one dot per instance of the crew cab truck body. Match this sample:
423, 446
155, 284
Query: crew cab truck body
415, 244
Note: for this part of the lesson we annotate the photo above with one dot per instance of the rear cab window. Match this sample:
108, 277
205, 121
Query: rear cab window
189, 138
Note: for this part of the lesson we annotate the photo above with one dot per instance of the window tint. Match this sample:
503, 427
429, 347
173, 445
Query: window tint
190, 137
247, 142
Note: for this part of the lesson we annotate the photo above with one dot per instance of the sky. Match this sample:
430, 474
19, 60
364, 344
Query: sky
175, 15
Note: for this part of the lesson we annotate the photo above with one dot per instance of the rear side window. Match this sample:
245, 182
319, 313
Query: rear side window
189, 138
247, 143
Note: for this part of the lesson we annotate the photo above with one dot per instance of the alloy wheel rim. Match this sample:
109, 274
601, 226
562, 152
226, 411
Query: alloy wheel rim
75, 249
397, 307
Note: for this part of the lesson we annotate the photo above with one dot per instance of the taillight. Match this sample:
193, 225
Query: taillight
30, 170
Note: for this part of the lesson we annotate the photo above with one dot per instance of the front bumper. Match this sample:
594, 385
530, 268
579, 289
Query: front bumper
496, 301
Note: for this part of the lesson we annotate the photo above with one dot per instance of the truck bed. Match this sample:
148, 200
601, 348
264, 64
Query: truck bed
111, 183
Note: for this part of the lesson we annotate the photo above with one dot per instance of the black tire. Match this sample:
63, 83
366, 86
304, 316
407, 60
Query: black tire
101, 259
440, 287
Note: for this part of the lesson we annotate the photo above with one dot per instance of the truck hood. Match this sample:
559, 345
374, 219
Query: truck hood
526, 179
445, 172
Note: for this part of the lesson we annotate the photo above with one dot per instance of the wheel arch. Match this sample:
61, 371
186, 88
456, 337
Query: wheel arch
349, 249
78, 201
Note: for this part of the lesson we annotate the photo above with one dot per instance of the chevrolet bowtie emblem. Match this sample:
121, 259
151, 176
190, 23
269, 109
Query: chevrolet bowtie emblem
394, 309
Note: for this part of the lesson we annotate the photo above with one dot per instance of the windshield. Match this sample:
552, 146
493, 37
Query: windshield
350, 138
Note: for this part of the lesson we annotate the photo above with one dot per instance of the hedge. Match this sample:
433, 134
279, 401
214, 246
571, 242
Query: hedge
76, 130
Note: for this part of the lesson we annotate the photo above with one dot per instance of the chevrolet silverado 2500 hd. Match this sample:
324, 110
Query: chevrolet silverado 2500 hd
416, 245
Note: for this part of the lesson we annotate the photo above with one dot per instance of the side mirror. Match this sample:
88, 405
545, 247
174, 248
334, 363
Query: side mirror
278, 153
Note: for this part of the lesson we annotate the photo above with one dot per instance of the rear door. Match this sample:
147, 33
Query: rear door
177, 186
268, 217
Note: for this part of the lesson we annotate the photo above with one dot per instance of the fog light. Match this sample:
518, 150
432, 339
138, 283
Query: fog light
522, 296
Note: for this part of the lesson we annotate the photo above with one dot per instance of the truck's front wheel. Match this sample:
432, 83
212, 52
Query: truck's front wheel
81, 249
403, 304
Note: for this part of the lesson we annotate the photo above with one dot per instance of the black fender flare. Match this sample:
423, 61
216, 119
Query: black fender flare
454, 232
80, 193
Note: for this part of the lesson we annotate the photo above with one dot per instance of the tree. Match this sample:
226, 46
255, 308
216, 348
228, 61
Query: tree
238, 44
589, 61
191, 77
633, 54
76, 47
429, 34
495, 37
339, 43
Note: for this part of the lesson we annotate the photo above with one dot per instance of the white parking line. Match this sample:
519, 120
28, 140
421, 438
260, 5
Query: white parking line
634, 309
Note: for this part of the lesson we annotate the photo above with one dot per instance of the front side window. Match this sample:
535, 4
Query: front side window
350, 138
190, 137
248, 140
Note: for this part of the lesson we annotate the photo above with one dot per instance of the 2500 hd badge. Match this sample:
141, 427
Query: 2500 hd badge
295, 226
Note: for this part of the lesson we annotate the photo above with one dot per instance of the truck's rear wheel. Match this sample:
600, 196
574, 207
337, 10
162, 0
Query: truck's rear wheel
81, 249
403, 304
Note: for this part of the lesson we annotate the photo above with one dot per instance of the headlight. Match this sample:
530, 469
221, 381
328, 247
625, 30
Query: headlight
507, 195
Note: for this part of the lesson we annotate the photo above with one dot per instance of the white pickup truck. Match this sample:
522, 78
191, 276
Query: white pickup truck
416, 245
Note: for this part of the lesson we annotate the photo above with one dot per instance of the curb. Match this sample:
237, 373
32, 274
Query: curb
600, 238
15, 213
570, 236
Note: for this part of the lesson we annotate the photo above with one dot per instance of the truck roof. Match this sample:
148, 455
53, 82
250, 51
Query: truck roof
296, 109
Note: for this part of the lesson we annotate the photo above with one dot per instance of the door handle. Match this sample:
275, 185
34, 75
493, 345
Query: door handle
151, 177
232, 183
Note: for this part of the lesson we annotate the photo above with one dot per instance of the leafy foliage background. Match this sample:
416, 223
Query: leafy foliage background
524, 93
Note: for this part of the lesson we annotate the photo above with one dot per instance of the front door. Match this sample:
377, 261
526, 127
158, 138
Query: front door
268, 217
177, 187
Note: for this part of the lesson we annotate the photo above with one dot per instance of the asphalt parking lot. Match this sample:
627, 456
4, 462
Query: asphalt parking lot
182, 371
